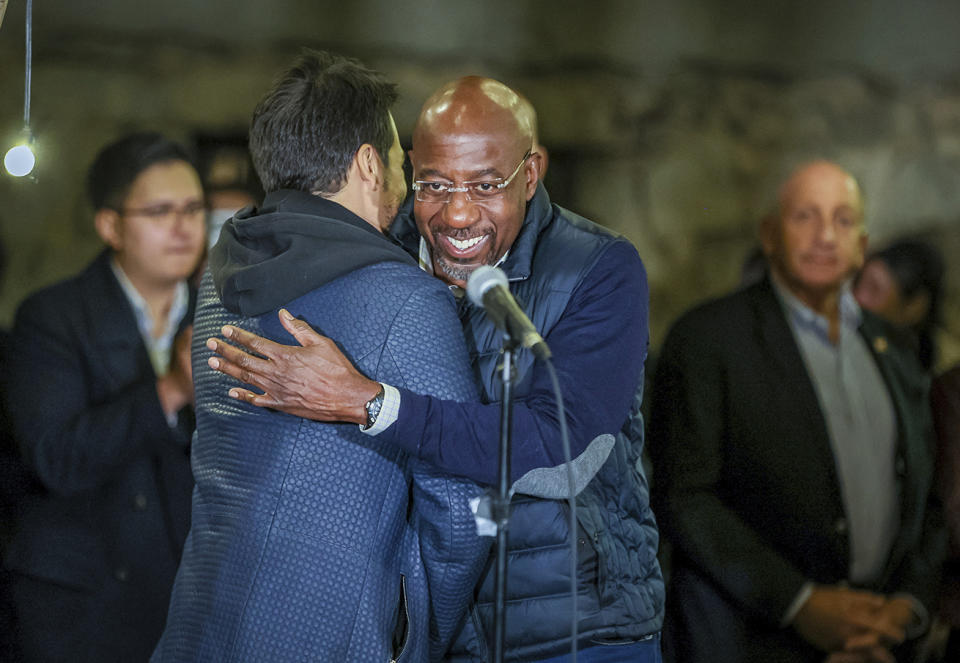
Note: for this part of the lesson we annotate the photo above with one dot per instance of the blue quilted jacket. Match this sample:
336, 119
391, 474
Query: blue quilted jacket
310, 541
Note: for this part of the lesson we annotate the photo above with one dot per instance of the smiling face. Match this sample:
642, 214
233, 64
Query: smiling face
818, 239
469, 132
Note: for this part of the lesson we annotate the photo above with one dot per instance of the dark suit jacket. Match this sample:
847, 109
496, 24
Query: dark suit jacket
104, 535
945, 398
746, 486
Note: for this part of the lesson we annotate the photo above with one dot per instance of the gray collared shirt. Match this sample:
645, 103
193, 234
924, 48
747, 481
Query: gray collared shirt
861, 423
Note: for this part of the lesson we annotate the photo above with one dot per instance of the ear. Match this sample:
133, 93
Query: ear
107, 223
544, 159
531, 171
412, 158
769, 229
369, 166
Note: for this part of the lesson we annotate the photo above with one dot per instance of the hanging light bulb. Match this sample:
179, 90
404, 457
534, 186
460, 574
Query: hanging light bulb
19, 159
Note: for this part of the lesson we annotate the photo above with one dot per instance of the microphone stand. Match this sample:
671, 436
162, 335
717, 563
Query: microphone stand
500, 504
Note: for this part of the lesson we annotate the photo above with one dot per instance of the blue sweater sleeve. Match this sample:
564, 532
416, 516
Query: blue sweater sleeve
599, 345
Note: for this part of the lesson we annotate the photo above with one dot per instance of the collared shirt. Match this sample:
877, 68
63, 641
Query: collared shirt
159, 347
862, 425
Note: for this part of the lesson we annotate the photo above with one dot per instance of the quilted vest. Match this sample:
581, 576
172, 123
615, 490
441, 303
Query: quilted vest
621, 591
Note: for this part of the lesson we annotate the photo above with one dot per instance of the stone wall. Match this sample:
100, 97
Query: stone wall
686, 166
682, 157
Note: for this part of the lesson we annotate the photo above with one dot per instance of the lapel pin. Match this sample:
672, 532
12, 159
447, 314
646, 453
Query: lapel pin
880, 344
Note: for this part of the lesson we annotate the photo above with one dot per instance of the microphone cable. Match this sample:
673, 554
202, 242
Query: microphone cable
572, 501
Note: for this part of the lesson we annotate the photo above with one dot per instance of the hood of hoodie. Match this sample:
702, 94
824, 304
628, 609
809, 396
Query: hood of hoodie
292, 244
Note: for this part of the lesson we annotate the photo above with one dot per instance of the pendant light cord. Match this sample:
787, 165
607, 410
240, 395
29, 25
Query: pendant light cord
29, 66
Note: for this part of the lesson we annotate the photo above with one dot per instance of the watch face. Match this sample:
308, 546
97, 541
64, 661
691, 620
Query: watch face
373, 408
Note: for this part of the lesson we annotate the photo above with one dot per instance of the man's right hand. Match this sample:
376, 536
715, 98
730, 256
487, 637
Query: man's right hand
839, 619
313, 380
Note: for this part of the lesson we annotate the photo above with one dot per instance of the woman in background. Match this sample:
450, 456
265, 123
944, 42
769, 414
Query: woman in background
903, 284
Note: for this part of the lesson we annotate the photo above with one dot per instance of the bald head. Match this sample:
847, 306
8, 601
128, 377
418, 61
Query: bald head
817, 239
475, 138
819, 176
475, 105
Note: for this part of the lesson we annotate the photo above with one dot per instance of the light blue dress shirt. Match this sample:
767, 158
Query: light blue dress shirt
862, 425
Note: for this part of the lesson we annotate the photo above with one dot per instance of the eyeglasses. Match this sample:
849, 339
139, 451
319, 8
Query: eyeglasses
429, 191
167, 211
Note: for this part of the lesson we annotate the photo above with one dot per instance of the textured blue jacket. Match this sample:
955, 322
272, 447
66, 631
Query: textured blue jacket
585, 290
314, 541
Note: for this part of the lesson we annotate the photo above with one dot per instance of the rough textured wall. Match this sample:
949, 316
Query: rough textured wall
670, 123
686, 167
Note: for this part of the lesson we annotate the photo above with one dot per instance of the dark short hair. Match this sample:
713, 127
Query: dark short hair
118, 164
307, 129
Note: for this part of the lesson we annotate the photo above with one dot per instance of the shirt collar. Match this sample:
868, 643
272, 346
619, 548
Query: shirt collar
805, 317
141, 311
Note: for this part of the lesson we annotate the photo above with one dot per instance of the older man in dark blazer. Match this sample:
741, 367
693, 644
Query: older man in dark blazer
99, 394
792, 456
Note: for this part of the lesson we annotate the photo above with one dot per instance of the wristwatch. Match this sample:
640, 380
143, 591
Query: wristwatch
373, 409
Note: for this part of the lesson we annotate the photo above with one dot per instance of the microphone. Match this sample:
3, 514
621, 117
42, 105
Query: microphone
487, 288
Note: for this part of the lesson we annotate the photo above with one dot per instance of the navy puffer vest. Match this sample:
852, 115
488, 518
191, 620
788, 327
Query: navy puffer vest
620, 586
